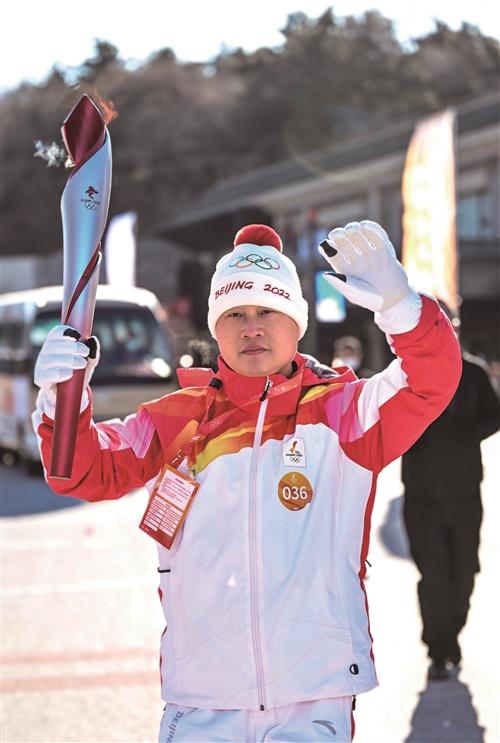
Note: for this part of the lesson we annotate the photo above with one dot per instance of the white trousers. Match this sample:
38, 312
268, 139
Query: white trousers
305, 722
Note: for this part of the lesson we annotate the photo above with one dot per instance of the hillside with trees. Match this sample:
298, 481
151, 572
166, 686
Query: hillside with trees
182, 126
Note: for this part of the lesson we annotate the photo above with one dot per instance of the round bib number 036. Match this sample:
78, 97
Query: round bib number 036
294, 491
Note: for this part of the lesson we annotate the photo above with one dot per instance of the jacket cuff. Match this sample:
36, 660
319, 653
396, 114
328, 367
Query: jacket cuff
402, 316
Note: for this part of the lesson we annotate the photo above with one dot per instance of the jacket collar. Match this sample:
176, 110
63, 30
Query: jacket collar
284, 393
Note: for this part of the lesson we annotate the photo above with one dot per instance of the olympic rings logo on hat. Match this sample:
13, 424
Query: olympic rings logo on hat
256, 260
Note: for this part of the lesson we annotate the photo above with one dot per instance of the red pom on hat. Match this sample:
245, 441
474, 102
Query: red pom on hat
258, 234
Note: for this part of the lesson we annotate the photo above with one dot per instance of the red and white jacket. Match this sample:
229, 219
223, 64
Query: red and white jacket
263, 589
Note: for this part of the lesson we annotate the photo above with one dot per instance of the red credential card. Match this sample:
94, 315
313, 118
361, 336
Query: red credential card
168, 505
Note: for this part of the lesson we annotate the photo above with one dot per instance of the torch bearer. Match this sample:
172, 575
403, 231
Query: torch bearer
84, 210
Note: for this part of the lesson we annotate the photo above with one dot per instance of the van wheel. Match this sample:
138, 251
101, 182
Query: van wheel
7, 457
32, 468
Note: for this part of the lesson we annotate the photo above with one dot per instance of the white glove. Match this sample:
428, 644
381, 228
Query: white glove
59, 356
367, 272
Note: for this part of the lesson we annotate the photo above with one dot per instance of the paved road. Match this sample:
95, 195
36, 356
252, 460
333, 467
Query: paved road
405, 708
81, 623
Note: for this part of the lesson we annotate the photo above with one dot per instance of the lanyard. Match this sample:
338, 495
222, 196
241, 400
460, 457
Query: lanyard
210, 425
186, 451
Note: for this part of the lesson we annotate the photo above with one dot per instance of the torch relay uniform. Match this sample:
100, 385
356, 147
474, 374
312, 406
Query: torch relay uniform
263, 590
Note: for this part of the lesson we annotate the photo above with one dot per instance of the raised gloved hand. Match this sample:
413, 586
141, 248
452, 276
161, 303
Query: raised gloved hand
62, 353
367, 272
365, 267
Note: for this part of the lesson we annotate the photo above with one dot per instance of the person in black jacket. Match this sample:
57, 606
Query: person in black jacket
442, 474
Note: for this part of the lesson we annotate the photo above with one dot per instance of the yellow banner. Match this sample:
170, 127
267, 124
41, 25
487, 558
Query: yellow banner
429, 209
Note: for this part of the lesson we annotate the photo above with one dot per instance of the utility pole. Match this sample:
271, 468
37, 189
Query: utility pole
309, 342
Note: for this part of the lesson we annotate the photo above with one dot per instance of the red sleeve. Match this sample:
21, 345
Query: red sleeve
111, 458
384, 415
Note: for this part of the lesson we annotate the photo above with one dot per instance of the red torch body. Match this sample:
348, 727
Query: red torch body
84, 210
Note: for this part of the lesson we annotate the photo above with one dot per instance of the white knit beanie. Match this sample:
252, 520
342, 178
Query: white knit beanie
257, 273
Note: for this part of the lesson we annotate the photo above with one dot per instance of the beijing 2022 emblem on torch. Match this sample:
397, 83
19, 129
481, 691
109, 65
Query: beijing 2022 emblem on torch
84, 211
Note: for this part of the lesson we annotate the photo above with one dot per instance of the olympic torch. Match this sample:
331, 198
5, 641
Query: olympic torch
84, 210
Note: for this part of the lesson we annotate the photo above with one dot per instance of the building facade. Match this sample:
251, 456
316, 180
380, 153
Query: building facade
305, 197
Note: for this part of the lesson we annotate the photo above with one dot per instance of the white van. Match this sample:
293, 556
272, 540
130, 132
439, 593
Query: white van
135, 366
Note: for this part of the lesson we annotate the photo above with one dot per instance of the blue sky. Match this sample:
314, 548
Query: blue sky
33, 40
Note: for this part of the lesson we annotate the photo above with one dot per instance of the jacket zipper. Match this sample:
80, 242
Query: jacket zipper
254, 577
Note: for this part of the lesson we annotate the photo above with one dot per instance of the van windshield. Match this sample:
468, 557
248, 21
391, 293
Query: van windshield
134, 347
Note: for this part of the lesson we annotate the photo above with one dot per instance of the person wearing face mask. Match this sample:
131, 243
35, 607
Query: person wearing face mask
348, 351
262, 476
